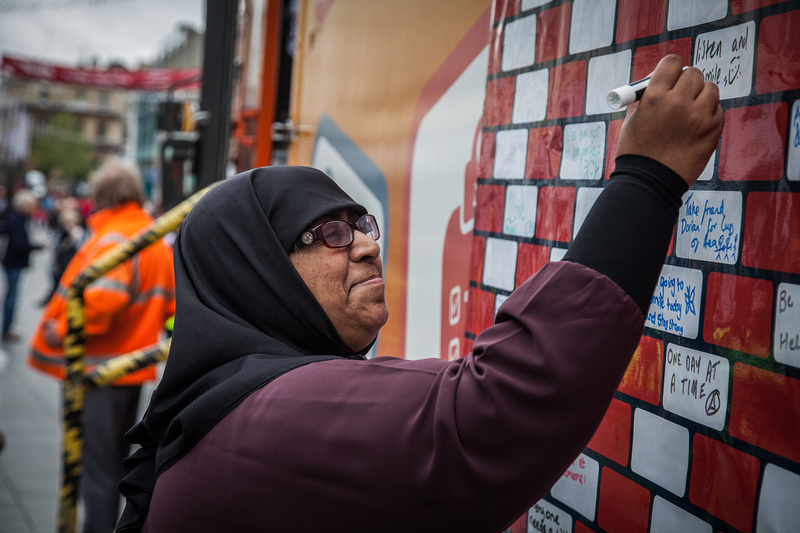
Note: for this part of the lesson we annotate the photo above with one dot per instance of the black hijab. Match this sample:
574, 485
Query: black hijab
243, 314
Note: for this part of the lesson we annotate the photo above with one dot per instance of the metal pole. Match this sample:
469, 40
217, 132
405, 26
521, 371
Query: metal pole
218, 68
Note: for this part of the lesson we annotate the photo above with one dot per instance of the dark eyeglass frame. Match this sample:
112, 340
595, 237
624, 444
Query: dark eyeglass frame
366, 224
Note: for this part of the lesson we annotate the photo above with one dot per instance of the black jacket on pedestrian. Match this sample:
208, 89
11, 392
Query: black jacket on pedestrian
19, 246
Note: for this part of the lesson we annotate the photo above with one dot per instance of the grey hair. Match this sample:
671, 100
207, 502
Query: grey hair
115, 184
22, 198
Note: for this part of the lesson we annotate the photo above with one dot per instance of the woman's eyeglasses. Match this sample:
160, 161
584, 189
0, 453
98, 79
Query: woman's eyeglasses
339, 233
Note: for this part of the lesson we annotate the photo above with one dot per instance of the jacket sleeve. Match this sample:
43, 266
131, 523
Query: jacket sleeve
467, 445
476, 440
627, 232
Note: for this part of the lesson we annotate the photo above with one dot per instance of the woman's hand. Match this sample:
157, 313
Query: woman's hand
678, 121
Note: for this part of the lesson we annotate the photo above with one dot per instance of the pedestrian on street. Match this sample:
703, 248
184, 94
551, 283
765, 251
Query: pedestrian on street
17, 255
68, 235
125, 311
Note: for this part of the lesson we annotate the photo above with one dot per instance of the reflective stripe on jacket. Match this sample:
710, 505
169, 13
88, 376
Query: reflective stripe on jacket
125, 309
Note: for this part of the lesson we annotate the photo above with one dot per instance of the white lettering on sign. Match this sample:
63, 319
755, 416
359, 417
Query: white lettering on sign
787, 325
793, 145
676, 301
454, 349
520, 210
454, 309
696, 385
544, 517
584, 149
709, 227
577, 487
726, 58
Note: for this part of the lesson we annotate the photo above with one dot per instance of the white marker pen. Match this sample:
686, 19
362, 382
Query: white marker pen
628, 94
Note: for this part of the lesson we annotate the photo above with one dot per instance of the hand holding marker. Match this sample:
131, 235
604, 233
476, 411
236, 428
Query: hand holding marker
628, 94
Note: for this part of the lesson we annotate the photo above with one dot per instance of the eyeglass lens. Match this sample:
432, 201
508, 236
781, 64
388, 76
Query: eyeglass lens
338, 233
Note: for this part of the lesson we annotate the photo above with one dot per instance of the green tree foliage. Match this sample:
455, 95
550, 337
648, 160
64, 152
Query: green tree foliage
62, 149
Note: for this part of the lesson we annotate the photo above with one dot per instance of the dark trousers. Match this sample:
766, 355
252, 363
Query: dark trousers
109, 413
10, 299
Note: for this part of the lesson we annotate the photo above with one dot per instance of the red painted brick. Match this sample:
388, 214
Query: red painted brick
555, 209
723, 481
640, 18
469, 320
496, 50
499, 101
530, 259
623, 505
753, 141
504, 9
480, 305
738, 313
645, 58
642, 380
472, 171
486, 162
765, 410
552, 33
485, 308
520, 526
612, 439
614, 127
489, 208
545, 146
778, 67
771, 237
476, 265
741, 6
567, 90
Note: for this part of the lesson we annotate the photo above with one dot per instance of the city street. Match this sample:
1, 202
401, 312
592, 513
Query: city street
30, 406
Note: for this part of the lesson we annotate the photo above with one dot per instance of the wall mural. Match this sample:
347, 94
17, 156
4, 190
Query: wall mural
704, 432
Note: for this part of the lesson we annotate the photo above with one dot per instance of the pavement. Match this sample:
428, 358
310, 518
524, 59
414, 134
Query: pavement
30, 417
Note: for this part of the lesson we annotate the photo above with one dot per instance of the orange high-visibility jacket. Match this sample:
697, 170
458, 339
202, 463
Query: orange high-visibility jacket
125, 309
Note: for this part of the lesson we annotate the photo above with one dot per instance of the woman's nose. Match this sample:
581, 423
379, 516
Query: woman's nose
364, 246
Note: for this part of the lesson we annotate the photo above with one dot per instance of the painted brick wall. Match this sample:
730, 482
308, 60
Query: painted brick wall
704, 432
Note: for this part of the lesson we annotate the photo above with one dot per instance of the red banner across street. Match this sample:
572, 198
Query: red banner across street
150, 79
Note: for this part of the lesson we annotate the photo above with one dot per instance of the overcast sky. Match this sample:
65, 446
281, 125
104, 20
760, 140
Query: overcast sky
67, 32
